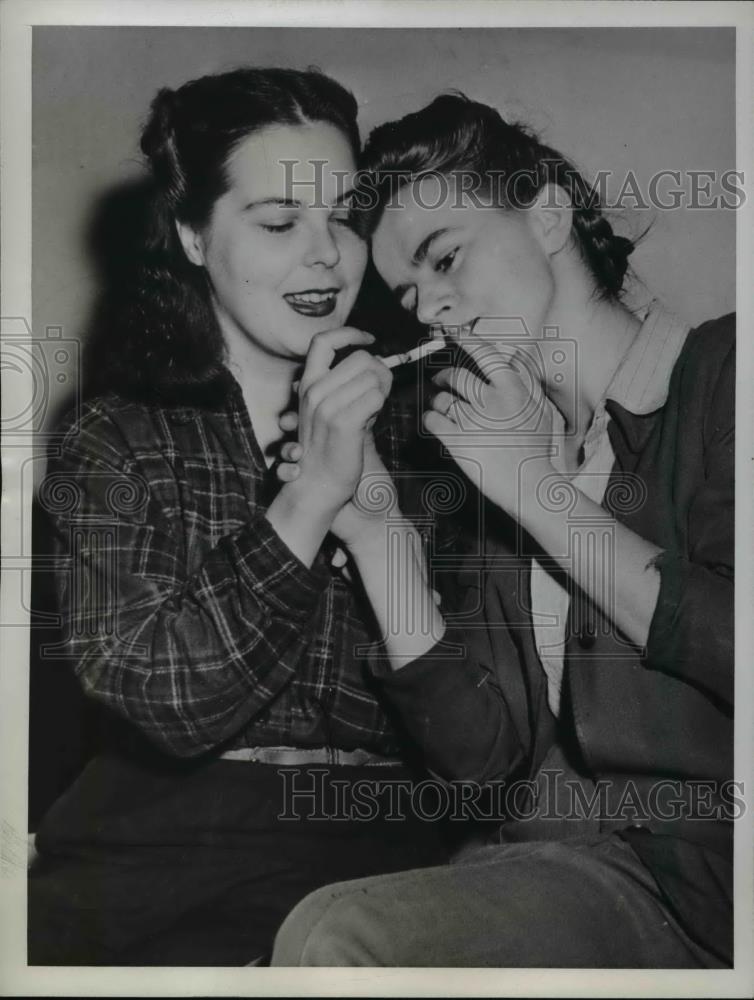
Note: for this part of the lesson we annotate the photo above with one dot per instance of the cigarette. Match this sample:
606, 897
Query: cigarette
422, 351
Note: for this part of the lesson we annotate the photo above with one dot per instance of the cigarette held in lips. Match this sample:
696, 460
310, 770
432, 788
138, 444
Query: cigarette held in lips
394, 360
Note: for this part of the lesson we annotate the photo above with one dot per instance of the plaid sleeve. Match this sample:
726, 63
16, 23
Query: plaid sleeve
189, 657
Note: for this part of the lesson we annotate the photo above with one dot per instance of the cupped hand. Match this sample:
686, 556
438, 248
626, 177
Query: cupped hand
498, 427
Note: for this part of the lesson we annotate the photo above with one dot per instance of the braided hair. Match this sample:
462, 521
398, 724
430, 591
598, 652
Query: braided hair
455, 135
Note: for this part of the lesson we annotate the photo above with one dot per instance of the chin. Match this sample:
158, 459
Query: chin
323, 323
300, 340
301, 330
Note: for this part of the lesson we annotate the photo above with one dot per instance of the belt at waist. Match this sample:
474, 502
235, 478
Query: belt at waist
314, 755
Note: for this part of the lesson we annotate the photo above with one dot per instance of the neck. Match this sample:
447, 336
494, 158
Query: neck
266, 383
601, 333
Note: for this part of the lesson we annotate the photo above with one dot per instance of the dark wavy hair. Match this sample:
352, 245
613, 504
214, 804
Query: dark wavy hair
454, 134
162, 339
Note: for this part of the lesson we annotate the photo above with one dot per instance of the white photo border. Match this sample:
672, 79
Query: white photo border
18, 17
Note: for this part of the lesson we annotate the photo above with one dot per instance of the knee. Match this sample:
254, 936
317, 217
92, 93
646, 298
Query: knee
331, 928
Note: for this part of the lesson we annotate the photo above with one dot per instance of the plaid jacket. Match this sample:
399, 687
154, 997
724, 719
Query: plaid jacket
185, 612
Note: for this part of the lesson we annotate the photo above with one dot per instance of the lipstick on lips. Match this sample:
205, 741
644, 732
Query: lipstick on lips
314, 302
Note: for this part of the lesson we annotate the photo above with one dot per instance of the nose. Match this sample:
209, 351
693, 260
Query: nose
434, 300
322, 248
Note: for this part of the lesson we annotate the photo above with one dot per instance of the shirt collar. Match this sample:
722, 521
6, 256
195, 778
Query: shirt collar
639, 387
640, 384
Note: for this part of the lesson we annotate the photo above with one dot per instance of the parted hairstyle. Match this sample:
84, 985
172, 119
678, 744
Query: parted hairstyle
163, 334
455, 135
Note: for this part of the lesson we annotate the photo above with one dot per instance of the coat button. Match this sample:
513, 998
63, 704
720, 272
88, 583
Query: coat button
180, 417
587, 639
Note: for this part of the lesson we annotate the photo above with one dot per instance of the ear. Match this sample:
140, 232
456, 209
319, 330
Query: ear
192, 243
551, 216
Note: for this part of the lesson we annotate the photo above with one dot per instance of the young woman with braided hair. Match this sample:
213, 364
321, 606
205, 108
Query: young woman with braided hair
596, 683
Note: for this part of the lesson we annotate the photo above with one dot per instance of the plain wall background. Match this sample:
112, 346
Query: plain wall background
612, 99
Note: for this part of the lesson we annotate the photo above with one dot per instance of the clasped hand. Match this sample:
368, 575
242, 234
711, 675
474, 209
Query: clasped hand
335, 458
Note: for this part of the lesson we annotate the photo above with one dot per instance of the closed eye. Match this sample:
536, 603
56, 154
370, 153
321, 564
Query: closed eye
282, 227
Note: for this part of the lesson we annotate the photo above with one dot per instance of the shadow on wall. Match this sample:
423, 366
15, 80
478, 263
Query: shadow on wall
119, 233
63, 725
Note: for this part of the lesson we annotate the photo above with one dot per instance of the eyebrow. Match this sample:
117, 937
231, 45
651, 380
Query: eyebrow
279, 202
423, 249
293, 203
343, 198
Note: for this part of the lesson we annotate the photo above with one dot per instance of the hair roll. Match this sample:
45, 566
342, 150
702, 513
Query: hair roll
506, 159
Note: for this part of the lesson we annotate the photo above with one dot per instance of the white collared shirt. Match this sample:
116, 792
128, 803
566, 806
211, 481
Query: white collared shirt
640, 385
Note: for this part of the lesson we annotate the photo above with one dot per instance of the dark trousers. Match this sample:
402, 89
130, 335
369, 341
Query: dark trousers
199, 865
